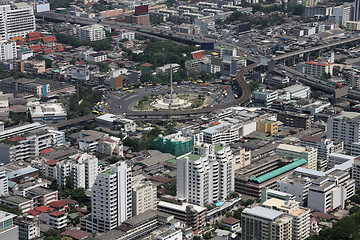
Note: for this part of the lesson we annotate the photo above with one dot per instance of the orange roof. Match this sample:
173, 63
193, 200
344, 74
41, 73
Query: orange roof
49, 39
47, 150
51, 162
36, 48
146, 65
20, 38
318, 63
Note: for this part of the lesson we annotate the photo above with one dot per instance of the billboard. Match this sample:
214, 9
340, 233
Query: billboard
141, 9
43, 7
207, 46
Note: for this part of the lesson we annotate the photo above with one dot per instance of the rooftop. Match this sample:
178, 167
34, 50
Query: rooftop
181, 208
263, 212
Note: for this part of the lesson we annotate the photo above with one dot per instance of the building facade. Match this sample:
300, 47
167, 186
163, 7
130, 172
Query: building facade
206, 175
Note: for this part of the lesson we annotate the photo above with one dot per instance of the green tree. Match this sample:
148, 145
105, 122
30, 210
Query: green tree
254, 85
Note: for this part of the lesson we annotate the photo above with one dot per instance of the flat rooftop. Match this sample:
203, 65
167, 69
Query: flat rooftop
263, 212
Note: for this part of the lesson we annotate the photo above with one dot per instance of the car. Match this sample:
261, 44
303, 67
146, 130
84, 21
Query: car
109, 108
114, 100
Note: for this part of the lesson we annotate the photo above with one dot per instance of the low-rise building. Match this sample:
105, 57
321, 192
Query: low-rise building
295, 120
56, 219
110, 146
92, 33
47, 112
318, 69
192, 215
116, 122
265, 98
267, 126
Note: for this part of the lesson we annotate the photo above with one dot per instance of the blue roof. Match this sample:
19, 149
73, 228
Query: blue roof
21, 172
11, 184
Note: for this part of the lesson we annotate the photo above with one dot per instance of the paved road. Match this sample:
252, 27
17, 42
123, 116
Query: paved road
121, 104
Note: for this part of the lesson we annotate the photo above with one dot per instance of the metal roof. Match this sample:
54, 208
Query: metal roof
297, 163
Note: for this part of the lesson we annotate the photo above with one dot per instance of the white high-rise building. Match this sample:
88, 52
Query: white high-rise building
111, 199
206, 175
92, 33
3, 182
16, 19
82, 168
344, 127
7, 50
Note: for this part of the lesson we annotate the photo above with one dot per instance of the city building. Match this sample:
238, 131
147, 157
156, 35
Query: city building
242, 157
352, 25
225, 131
29, 227
116, 122
295, 120
47, 112
30, 86
308, 153
111, 199
267, 126
144, 196
318, 69
30, 144
297, 186
340, 15
355, 172
17, 19
4, 191
89, 140
324, 148
192, 215
264, 223
300, 216
298, 91
56, 219
8, 230
7, 50
344, 127
81, 168
267, 194
175, 144
265, 98
110, 146
250, 180
92, 33
206, 175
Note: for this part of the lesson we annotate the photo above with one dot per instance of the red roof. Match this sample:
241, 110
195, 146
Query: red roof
80, 63
47, 150
49, 39
47, 50
161, 179
58, 204
44, 209
76, 234
16, 139
34, 212
56, 213
59, 48
51, 162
